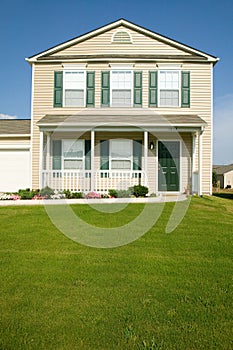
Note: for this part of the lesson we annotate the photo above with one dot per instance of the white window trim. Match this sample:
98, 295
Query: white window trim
122, 42
171, 70
85, 87
112, 158
132, 82
78, 158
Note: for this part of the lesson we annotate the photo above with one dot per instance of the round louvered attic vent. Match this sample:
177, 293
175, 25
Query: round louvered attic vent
121, 37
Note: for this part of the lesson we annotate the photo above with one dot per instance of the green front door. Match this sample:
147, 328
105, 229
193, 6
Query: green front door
168, 166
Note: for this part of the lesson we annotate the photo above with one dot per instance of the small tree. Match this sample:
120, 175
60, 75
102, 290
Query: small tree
214, 179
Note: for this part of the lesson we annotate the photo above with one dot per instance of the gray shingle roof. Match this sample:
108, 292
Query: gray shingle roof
15, 126
222, 169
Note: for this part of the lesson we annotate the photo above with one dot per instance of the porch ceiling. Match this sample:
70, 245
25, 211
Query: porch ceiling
115, 117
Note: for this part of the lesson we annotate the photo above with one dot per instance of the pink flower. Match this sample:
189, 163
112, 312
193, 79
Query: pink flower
93, 195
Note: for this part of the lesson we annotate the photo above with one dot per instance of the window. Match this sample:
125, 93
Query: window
121, 37
169, 88
121, 153
74, 88
121, 88
73, 154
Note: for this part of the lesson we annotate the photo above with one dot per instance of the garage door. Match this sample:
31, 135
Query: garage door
14, 170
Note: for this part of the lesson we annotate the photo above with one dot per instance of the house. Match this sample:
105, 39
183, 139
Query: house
15, 155
119, 106
224, 175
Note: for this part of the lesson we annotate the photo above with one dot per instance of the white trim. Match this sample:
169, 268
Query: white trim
157, 167
31, 126
113, 25
169, 66
48, 143
146, 155
193, 159
119, 66
78, 158
41, 158
132, 87
127, 159
211, 133
81, 66
84, 88
200, 163
92, 160
179, 96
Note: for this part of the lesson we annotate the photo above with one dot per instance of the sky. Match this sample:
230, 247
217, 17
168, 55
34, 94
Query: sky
31, 26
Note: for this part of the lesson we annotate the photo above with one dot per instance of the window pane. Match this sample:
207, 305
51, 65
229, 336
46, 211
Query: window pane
121, 164
121, 148
73, 164
73, 148
74, 98
169, 80
169, 98
74, 80
121, 98
121, 80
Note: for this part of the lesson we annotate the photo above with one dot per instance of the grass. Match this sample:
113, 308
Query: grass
163, 291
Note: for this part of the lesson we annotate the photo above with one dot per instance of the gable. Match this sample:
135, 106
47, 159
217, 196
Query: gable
99, 43
103, 44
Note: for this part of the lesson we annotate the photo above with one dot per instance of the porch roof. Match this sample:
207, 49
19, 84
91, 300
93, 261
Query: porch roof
120, 117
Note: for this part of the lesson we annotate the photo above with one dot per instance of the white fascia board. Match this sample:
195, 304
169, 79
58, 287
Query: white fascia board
14, 135
15, 147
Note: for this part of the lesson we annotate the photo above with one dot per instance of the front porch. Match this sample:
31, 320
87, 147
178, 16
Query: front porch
82, 154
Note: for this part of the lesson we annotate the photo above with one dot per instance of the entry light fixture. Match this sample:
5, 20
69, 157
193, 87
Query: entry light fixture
152, 145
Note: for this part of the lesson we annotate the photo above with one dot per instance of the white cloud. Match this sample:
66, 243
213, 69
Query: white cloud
7, 116
223, 130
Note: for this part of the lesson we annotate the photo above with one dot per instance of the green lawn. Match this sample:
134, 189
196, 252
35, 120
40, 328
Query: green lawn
163, 291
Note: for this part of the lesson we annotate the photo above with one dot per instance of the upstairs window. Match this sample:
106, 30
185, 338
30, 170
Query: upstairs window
121, 89
74, 88
169, 88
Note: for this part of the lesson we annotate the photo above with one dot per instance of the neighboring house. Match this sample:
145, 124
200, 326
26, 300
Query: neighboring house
119, 106
15, 155
224, 175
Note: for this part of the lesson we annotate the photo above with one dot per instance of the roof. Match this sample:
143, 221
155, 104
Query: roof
15, 127
136, 117
222, 169
127, 24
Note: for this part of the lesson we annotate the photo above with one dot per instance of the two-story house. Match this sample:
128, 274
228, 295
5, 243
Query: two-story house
119, 106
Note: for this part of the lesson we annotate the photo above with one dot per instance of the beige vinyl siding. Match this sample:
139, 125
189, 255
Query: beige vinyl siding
200, 104
228, 178
102, 44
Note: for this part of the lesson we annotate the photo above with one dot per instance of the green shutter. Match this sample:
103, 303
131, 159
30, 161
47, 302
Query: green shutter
105, 89
57, 155
153, 87
104, 156
137, 155
58, 87
185, 89
137, 89
90, 102
87, 154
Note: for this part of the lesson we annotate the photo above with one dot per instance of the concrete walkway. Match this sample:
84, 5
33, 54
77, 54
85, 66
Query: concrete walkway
159, 199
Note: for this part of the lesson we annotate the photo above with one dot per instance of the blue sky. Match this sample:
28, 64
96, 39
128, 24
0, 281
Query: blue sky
29, 26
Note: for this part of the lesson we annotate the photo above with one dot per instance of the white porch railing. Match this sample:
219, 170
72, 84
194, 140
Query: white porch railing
81, 181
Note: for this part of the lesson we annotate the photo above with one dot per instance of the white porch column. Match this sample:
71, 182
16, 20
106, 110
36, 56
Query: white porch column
92, 160
200, 163
48, 151
145, 154
193, 162
41, 159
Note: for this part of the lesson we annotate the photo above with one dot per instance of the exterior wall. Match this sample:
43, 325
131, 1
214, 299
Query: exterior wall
15, 158
228, 179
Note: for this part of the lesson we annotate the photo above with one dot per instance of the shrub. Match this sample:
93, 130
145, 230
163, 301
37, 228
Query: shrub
214, 179
124, 193
140, 191
77, 195
112, 193
27, 193
46, 192
68, 194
